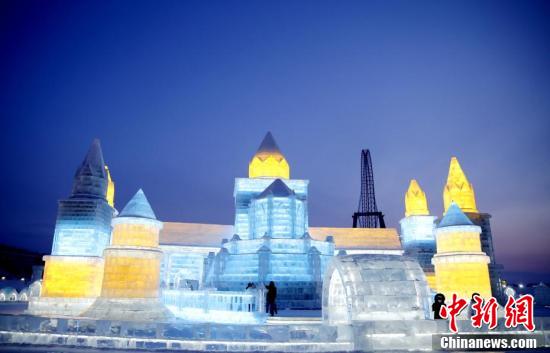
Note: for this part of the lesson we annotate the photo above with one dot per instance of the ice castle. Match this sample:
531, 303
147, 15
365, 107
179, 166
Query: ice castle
128, 280
95, 250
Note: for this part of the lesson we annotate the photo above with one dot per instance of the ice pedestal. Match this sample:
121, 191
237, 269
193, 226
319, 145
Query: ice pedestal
136, 309
58, 307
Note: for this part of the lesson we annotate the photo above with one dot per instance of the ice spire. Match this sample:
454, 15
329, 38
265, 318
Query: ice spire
90, 180
268, 162
459, 189
454, 217
415, 201
268, 146
139, 207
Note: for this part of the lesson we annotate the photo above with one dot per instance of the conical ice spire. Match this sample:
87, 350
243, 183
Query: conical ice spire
269, 146
268, 162
416, 203
459, 189
93, 163
139, 207
90, 180
454, 217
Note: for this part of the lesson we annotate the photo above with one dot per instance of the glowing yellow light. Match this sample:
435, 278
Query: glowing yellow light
270, 166
72, 276
460, 265
131, 274
133, 234
458, 242
464, 279
268, 162
459, 189
110, 195
430, 278
415, 201
132, 261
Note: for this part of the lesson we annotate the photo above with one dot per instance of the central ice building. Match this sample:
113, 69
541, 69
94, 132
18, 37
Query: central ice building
269, 241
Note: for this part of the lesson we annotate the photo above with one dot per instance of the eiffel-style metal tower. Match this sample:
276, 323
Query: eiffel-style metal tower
367, 215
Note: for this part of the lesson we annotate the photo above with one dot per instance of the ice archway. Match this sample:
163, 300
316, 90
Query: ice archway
374, 287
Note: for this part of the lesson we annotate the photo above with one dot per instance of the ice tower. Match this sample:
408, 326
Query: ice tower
417, 230
130, 289
271, 241
74, 270
461, 191
461, 266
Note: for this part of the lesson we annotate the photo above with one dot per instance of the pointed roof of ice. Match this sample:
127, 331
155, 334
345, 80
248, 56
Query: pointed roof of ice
278, 188
138, 206
416, 203
268, 145
454, 217
93, 164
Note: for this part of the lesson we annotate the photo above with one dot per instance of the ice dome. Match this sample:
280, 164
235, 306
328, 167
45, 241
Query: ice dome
366, 287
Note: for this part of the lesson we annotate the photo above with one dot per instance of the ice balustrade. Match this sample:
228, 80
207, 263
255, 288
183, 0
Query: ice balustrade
216, 306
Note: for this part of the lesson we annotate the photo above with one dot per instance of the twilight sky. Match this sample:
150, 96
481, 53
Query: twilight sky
181, 94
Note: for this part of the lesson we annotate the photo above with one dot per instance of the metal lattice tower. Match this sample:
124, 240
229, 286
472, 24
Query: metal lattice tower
367, 215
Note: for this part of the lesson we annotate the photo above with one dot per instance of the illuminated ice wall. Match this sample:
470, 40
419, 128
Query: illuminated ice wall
246, 190
277, 211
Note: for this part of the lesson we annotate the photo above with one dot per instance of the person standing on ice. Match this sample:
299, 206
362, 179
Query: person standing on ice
439, 301
270, 298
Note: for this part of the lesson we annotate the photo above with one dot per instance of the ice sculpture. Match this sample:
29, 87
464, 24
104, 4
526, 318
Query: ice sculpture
418, 230
460, 265
271, 242
130, 289
82, 231
374, 287
83, 224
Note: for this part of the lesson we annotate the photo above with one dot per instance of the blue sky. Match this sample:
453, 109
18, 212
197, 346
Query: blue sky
182, 92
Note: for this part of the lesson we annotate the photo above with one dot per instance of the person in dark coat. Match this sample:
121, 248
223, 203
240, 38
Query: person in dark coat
270, 299
472, 312
439, 301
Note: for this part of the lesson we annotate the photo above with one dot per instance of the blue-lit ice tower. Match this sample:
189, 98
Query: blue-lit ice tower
73, 273
271, 241
418, 230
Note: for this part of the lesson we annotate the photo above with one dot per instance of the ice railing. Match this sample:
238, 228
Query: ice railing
216, 306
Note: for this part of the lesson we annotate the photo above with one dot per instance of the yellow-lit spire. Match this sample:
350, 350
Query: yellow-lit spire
415, 201
110, 195
459, 189
268, 162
